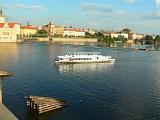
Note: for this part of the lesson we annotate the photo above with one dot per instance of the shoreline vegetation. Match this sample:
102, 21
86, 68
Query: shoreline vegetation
43, 36
98, 37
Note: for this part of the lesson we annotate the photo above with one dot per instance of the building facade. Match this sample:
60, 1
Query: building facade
116, 34
74, 32
91, 31
54, 30
137, 36
9, 32
28, 31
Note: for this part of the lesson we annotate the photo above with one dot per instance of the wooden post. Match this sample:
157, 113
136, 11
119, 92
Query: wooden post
32, 105
1, 91
36, 109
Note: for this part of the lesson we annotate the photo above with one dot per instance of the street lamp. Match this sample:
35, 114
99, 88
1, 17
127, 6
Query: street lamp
3, 74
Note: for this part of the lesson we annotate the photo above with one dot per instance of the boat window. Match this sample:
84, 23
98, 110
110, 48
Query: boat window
60, 58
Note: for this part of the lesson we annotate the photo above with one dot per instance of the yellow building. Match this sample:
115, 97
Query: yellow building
28, 31
54, 30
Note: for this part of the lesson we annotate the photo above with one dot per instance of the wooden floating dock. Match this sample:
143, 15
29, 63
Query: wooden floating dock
4, 74
38, 104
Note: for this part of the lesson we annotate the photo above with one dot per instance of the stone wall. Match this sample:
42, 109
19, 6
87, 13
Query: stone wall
74, 39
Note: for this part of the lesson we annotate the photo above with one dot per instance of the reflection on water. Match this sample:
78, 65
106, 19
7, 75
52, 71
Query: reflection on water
86, 67
8, 49
75, 43
114, 45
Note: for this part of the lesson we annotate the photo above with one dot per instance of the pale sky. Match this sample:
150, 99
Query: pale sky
141, 16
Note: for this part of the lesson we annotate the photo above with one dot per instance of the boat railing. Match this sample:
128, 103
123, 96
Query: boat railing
83, 53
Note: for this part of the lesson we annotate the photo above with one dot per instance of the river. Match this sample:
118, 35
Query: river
129, 89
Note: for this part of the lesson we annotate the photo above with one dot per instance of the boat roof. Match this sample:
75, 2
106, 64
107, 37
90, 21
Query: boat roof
83, 53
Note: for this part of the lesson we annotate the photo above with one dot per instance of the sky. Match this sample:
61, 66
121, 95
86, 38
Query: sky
141, 16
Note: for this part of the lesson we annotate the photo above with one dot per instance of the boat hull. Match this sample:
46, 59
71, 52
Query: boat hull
82, 62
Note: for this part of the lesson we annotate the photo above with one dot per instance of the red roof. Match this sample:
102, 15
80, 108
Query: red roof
1, 25
28, 27
10, 25
73, 29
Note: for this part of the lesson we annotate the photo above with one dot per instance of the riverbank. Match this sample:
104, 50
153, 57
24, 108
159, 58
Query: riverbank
55, 40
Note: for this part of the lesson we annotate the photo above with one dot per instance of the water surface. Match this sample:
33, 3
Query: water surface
129, 89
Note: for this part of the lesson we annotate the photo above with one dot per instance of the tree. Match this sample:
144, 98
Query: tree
99, 34
41, 32
157, 38
122, 38
107, 39
88, 35
149, 39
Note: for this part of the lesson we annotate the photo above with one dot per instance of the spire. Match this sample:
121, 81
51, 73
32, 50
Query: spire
1, 13
28, 24
50, 23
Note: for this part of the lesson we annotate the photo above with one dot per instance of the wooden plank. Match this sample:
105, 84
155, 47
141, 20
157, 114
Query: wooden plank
44, 104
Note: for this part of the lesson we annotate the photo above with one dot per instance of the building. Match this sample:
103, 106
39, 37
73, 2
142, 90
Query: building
54, 30
136, 36
9, 32
116, 34
74, 32
59, 30
28, 31
92, 32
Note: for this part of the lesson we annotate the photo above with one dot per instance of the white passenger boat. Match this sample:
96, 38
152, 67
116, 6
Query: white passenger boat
84, 57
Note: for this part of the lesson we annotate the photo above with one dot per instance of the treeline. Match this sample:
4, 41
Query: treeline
40, 33
108, 39
149, 39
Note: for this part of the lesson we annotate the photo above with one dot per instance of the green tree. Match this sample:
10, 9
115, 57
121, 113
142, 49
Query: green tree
157, 38
122, 38
88, 35
41, 32
99, 34
107, 39
111, 40
149, 39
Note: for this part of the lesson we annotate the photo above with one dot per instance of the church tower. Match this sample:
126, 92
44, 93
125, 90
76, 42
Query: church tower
2, 19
